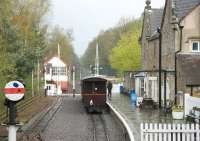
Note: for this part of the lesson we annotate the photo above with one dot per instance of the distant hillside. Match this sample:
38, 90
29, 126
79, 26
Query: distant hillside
107, 40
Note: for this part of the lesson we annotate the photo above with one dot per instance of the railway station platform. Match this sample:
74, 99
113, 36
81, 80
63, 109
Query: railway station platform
134, 116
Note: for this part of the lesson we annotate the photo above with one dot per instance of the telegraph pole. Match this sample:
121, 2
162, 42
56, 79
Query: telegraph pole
38, 76
73, 81
32, 85
97, 60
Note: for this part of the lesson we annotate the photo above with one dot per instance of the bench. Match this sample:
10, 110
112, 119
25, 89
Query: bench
194, 115
148, 103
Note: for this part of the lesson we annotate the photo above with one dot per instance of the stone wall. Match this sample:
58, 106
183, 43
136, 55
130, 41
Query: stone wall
168, 45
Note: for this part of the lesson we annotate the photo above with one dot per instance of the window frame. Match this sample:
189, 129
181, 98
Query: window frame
198, 45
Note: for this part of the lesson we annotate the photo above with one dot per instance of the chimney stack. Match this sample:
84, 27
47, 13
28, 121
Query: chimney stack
148, 5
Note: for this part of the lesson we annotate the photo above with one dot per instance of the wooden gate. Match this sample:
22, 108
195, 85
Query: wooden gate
169, 132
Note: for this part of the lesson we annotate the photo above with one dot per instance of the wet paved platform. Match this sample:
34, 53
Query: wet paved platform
134, 116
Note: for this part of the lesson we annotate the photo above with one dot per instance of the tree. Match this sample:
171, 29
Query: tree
108, 40
21, 34
64, 39
126, 55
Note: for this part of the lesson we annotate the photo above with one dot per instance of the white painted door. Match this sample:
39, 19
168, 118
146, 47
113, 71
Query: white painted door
153, 90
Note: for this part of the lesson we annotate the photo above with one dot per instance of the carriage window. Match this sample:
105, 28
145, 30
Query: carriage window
101, 87
94, 87
88, 86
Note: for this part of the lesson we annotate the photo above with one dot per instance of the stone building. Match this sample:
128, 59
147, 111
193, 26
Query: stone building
150, 47
180, 30
179, 23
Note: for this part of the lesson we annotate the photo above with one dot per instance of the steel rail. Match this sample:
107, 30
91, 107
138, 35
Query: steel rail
94, 129
95, 124
36, 124
57, 107
104, 127
37, 128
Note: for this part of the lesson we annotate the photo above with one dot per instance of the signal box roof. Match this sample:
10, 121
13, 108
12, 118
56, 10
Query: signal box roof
56, 62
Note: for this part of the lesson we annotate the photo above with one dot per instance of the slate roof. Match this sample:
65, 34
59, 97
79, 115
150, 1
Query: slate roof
154, 22
190, 66
155, 19
183, 7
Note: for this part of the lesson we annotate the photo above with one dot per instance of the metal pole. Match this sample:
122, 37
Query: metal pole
12, 133
45, 82
97, 60
38, 76
165, 89
12, 129
160, 65
58, 73
73, 81
80, 75
32, 86
12, 112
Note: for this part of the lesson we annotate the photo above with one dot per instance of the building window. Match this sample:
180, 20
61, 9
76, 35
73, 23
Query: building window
54, 71
58, 71
196, 46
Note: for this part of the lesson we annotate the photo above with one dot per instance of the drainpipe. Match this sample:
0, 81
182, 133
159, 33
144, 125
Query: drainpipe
165, 89
160, 64
175, 63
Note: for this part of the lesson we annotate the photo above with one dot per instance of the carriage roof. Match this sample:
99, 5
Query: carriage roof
95, 78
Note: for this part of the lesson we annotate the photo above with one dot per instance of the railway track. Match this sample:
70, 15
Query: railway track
100, 132
35, 130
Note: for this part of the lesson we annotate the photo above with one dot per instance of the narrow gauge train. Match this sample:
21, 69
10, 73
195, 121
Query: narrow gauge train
93, 91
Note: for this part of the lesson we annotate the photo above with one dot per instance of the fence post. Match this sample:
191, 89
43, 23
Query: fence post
160, 134
173, 134
165, 134
156, 128
198, 132
142, 131
151, 134
169, 134
183, 127
179, 130
188, 134
146, 133
192, 134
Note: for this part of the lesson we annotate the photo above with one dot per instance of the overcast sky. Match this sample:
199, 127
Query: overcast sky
88, 17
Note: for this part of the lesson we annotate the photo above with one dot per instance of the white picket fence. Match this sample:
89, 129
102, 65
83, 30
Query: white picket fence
169, 132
